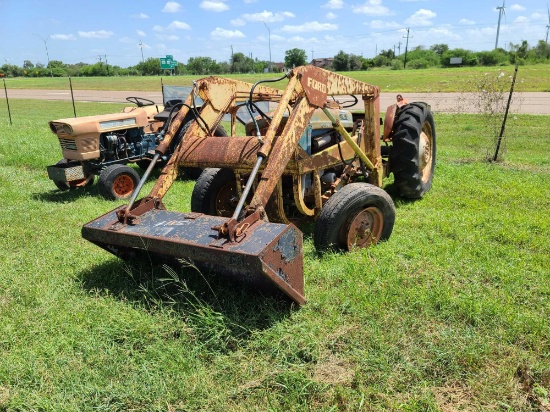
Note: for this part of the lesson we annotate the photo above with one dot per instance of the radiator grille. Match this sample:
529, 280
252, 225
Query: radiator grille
67, 144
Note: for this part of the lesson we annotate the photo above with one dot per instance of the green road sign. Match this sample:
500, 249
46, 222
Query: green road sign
168, 62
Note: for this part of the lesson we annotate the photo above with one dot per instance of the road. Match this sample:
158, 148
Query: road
529, 103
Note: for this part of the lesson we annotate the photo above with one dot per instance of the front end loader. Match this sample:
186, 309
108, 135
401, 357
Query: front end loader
302, 157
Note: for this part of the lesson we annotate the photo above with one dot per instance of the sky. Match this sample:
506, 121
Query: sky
119, 31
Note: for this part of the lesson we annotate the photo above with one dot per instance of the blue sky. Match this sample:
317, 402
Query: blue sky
78, 31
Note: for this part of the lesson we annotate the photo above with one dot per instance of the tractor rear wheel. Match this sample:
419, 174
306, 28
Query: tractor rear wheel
117, 182
412, 156
73, 184
357, 216
215, 193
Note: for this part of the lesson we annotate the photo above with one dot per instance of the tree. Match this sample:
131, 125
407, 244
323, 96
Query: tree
439, 48
27, 64
341, 61
355, 62
295, 57
202, 65
150, 67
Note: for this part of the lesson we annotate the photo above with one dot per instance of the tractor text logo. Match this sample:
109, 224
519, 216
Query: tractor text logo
316, 85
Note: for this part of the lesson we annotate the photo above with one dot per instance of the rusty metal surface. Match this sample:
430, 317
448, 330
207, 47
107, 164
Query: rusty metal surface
269, 254
364, 229
388, 122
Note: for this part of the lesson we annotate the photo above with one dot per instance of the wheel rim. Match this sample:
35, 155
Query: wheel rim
123, 186
364, 229
226, 200
425, 152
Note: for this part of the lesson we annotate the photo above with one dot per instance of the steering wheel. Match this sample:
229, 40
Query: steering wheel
140, 101
348, 103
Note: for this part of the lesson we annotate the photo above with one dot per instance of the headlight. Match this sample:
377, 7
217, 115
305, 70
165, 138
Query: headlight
67, 129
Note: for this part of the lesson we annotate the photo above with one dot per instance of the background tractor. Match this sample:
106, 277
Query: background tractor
104, 145
303, 159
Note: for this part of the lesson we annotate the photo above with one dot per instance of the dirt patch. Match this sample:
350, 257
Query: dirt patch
334, 370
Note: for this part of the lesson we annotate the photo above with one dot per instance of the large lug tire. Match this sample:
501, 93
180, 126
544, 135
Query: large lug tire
192, 173
215, 193
73, 184
357, 216
412, 156
117, 182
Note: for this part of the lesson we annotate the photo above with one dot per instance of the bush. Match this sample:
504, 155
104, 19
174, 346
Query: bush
418, 64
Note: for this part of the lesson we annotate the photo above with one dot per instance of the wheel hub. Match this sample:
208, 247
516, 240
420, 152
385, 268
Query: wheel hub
364, 229
123, 186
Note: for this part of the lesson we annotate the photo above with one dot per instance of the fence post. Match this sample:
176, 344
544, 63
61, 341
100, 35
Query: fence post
7, 101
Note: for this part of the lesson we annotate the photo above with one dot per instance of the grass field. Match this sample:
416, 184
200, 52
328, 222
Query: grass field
451, 313
532, 78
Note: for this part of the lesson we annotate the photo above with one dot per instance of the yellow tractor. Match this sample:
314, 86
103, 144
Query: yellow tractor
302, 157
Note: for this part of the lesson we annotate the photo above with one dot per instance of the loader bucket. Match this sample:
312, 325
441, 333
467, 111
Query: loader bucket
269, 256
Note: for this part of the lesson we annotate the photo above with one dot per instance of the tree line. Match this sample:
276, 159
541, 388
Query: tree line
420, 57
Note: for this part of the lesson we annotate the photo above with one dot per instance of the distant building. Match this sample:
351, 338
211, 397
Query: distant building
323, 63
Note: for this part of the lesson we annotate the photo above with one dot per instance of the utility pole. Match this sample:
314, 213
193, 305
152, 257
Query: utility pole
406, 48
399, 47
141, 47
107, 64
394, 50
232, 61
46, 46
548, 25
269, 42
501, 11
314, 50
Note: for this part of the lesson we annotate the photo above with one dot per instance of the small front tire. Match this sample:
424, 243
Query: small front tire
357, 216
117, 182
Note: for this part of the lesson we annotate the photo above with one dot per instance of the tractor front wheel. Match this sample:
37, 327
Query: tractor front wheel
357, 216
117, 182
215, 193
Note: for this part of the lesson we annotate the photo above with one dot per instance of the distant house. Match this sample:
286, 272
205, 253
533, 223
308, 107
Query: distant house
323, 63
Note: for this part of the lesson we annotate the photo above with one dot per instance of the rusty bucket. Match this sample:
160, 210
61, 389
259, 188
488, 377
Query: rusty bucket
268, 256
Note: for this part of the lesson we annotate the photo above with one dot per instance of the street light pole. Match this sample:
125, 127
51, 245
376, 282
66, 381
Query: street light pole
269, 42
46, 46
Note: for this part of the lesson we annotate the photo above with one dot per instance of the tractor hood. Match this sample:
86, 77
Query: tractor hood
94, 125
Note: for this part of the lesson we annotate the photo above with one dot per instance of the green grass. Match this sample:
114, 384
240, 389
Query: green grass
531, 78
451, 313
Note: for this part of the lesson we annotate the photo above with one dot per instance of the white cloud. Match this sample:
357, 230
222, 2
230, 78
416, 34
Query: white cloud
268, 16
158, 28
100, 34
309, 27
63, 36
141, 33
383, 25
222, 34
126, 40
330, 15
333, 4
421, 18
238, 22
373, 8
214, 5
171, 7
178, 25
140, 16
517, 7
467, 22
250, 1
521, 20
169, 37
